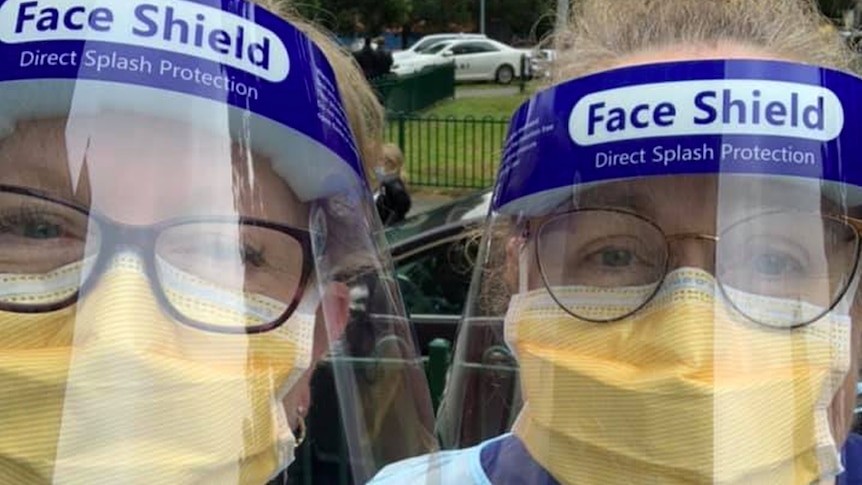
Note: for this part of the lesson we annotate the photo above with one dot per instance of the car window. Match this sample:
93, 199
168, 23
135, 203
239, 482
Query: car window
437, 47
476, 47
435, 278
432, 44
426, 43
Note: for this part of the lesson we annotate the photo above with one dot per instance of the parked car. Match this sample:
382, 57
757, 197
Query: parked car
541, 62
424, 43
475, 60
426, 59
433, 254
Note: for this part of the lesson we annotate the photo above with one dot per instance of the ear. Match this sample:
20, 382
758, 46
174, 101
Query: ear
329, 324
332, 316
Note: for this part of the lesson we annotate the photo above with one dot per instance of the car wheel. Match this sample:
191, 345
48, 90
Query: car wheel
505, 74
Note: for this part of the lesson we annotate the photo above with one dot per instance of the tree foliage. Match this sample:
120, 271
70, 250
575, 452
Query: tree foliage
348, 17
835, 8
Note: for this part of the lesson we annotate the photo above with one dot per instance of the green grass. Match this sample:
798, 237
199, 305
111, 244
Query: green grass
457, 143
497, 106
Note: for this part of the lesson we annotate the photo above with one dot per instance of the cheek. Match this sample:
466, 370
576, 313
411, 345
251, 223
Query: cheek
841, 410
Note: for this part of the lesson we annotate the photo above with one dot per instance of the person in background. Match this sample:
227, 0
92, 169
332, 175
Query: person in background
383, 57
392, 200
676, 228
366, 57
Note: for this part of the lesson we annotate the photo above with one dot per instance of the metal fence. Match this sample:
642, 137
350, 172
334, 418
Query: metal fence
449, 152
415, 92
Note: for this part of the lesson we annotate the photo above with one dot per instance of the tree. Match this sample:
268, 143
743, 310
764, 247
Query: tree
511, 19
369, 17
835, 9
436, 16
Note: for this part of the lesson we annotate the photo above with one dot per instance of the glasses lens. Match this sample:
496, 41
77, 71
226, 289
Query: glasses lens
44, 249
786, 269
229, 275
601, 265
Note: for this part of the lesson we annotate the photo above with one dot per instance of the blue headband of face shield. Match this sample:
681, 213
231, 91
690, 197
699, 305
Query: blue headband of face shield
218, 65
749, 117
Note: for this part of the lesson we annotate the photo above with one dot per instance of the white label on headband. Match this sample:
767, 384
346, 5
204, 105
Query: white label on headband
181, 27
734, 106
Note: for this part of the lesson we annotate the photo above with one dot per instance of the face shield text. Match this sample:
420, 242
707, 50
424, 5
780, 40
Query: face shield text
717, 107
185, 28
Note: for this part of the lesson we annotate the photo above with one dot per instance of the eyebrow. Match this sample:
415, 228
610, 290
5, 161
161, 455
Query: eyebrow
27, 172
605, 197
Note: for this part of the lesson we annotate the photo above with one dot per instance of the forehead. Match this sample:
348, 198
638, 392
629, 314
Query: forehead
689, 202
126, 164
680, 52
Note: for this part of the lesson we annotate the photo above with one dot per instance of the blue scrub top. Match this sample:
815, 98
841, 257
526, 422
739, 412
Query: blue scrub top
506, 461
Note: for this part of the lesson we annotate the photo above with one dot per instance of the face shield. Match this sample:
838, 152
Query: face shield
671, 265
186, 238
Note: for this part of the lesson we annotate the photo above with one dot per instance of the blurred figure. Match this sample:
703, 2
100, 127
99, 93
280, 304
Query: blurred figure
382, 58
366, 58
392, 200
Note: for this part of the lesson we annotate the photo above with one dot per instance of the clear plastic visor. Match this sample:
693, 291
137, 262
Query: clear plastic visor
175, 308
695, 328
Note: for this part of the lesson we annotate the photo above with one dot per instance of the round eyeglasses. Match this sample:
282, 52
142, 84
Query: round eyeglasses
220, 274
760, 263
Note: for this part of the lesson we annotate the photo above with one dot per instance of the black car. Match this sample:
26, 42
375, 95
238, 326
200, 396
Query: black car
434, 254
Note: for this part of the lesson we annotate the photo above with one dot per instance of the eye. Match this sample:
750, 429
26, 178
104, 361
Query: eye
616, 257
776, 264
33, 225
42, 230
253, 256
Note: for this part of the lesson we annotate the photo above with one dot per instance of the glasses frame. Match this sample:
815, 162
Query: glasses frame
854, 224
115, 235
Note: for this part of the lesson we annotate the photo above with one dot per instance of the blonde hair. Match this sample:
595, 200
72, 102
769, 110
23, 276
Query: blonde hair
602, 33
393, 158
364, 112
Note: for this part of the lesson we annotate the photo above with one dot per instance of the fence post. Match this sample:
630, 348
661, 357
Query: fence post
523, 73
439, 353
401, 131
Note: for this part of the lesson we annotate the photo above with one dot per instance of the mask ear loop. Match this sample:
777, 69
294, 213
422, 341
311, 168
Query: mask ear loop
287, 440
510, 326
840, 317
523, 272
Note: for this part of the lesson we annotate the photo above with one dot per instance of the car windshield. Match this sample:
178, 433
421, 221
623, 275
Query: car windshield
437, 47
424, 45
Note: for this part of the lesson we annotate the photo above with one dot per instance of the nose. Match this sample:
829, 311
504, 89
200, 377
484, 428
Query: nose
122, 310
692, 250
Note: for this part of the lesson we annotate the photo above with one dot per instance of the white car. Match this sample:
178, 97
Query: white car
424, 43
542, 61
403, 66
475, 60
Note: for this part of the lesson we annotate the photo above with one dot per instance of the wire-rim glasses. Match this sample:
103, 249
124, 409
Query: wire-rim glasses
761, 262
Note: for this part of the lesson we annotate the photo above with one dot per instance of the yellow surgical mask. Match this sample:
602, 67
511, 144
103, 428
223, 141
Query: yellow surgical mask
685, 391
112, 391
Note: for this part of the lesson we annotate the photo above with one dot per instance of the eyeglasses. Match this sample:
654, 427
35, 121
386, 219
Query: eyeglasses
220, 274
761, 263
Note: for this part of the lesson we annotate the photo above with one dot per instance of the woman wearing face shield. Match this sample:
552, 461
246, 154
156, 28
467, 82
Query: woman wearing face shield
674, 238
182, 210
